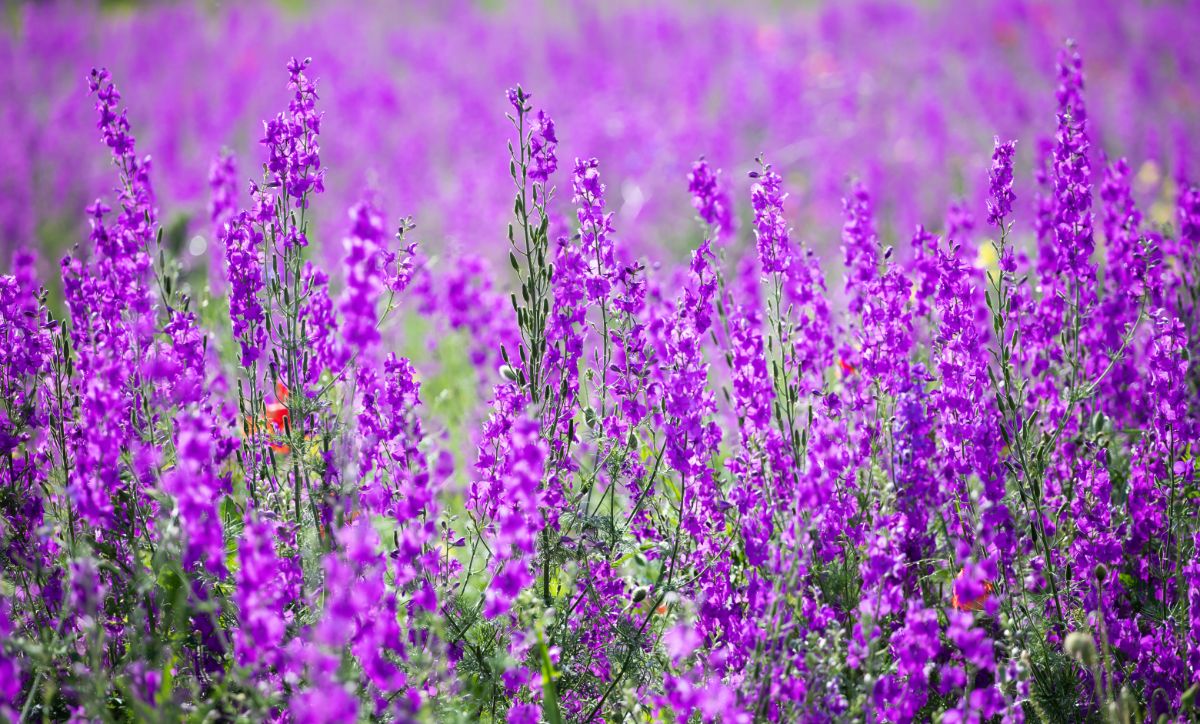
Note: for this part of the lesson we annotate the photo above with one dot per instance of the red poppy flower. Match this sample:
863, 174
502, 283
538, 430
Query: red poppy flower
277, 418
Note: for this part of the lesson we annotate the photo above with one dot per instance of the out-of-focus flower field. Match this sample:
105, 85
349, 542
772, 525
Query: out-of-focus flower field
576, 362
905, 97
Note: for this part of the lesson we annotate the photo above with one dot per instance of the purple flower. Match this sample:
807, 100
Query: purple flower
1168, 368
595, 226
360, 611
887, 334
198, 494
364, 273
688, 405
395, 472
243, 268
25, 355
814, 345
1072, 173
859, 246
709, 198
294, 160
222, 206
112, 307
465, 298
1128, 271
770, 226
630, 364
542, 147
1191, 573
752, 390
1189, 220
1001, 196
267, 584
516, 98
900, 696
320, 324
967, 417
509, 578
10, 665
511, 463
327, 703
567, 325
222, 184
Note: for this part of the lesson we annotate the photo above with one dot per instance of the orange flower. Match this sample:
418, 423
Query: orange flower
974, 604
847, 368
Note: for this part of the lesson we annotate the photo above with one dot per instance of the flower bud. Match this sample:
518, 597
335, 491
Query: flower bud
1081, 647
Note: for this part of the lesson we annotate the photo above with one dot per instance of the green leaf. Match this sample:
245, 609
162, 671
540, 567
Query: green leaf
163, 696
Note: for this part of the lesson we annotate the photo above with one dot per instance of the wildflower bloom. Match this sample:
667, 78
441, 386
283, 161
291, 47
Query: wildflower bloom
275, 421
595, 228
222, 208
631, 357
10, 667
243, 263
859, 245
198, 494
770, 226
814, 347
1189, 220
1192, 575
610, 553
1168, 366
109, 288
294, 155
903, 694
320, 324
709, 198
1000, 194
518, 517
568, 319
886, 324
543, 144
267, 583
1072, 173
222, 183
364, 269
969, 595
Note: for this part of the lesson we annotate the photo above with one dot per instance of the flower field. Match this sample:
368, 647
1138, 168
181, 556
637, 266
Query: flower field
539, 362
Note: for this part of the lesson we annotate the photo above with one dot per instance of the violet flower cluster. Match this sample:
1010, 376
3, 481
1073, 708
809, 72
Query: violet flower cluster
959, 486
